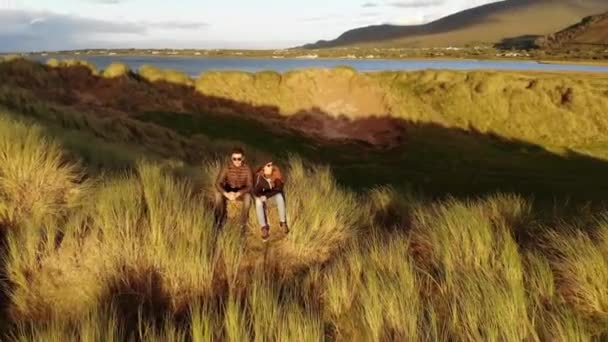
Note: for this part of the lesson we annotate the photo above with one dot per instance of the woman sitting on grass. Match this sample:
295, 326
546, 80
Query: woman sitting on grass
268, 186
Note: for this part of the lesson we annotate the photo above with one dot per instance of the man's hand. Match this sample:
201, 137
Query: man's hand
263, 198
237, 195
226, 194
231, 196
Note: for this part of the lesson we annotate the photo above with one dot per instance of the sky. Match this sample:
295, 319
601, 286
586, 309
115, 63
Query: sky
38, 25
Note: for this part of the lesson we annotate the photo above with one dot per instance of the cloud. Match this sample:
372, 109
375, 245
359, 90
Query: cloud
178, 25
108, 2
417, 3
327, 17
370, 5
42, 30
370, 14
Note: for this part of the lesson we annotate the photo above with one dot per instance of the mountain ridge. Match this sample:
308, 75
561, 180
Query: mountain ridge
591, 31
489, 23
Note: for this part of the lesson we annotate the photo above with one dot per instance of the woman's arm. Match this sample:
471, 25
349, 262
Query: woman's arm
278, 188
258, 188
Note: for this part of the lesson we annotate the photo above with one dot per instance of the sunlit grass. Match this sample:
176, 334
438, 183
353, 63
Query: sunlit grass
154, 74
135, 255
116, 70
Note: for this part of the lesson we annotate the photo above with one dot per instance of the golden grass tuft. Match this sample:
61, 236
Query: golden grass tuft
9, 58
581, 272
154, 74
321, 214
36, 181
69, 63
115, 70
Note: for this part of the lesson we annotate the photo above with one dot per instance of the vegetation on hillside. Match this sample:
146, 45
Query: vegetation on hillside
489, 23
589, 33
521, 105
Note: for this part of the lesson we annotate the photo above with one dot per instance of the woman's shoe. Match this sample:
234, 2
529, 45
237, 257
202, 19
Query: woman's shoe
265, 233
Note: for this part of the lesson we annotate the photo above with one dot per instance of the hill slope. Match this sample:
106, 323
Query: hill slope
591, 31
489, 23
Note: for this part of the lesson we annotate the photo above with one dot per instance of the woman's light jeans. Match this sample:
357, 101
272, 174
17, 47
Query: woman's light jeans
260, 208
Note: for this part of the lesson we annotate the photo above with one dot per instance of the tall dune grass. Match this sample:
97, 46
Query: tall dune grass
581, 272
322, 215
480, 271
136, 256
36, 181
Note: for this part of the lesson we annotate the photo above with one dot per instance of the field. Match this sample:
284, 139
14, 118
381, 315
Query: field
484, 229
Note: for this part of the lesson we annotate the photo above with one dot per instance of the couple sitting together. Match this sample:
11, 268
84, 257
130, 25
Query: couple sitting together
237, 183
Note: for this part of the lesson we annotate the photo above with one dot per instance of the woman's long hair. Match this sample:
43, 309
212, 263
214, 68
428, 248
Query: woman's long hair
274, 176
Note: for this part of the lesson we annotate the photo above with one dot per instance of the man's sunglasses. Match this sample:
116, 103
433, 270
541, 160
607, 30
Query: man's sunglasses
237, 159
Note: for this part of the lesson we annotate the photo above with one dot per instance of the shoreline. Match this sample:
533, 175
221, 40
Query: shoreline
271, 57
44, 59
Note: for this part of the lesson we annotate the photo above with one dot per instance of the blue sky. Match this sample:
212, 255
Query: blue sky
71, 24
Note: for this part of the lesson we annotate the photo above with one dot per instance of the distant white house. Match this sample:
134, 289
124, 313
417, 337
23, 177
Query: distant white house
197, 53
112, 54
308, 56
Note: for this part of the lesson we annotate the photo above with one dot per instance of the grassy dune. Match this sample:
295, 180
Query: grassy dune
458, 133
524, 105
135, 255
106, 231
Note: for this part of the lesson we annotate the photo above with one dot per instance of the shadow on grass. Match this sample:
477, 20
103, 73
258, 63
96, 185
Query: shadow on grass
424, 158
430, 159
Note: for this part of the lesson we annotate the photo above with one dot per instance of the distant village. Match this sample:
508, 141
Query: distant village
480, 51
475, 52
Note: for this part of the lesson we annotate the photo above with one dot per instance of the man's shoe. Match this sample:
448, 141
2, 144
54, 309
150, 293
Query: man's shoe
265, 233
285, 227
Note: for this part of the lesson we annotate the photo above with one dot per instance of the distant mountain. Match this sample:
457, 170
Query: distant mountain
591, 31
491, 23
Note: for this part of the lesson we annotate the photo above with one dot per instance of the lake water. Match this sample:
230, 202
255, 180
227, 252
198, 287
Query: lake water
195, 65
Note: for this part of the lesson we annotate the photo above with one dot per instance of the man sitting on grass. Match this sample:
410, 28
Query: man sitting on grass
234, 183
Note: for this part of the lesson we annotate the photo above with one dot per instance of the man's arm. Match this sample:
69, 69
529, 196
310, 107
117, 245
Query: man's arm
248, 183
219, 182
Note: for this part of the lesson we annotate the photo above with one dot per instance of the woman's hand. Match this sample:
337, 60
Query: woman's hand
263, 198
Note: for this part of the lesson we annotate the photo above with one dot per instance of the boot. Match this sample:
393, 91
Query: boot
265, 233
285, 227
